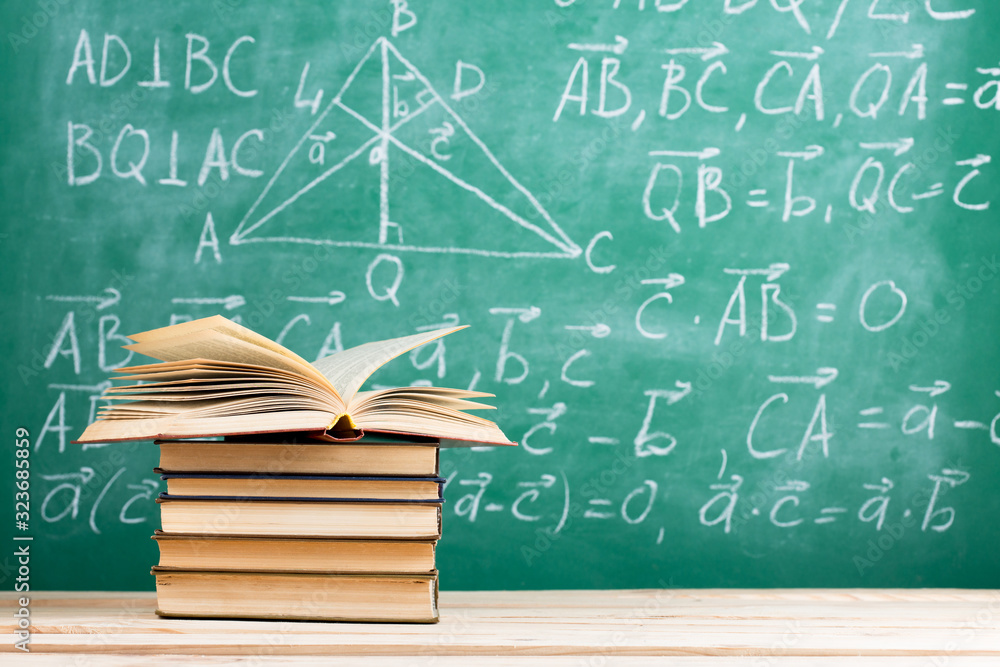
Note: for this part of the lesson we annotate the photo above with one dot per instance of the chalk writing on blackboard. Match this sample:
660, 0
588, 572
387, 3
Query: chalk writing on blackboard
406, 95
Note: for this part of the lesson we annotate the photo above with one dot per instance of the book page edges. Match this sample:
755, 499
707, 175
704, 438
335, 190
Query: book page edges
123, 430
443, 442
319, 436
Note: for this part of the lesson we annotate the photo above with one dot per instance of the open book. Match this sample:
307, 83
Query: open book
220, 378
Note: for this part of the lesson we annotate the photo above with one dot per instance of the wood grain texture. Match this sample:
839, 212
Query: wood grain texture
707, 627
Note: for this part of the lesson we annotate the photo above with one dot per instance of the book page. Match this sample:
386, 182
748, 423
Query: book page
221, 325
434, 426
214, 345
179, 329
184, 389
235, 392
196, 368
111, 430
455, 399
427, 411
198, 408
349, 369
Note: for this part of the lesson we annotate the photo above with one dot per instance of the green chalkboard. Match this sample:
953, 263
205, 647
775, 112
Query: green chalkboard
730, 266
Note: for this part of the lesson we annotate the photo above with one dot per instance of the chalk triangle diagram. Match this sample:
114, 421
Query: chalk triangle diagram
388, 164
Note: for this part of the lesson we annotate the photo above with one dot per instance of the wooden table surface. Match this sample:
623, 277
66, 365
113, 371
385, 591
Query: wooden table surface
593, 628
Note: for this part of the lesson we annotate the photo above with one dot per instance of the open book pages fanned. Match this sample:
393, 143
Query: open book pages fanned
216, 377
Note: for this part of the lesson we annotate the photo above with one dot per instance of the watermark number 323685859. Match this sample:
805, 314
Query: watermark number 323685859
22, 541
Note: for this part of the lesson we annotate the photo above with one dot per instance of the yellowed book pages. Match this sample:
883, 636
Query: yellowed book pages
217, 377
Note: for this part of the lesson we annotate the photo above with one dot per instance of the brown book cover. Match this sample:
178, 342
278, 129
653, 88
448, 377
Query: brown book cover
294, 554
292, 455
364, 519
389, 598
342, 487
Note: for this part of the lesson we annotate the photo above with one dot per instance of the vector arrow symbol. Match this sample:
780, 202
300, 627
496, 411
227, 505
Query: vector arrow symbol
940, 386
823, 377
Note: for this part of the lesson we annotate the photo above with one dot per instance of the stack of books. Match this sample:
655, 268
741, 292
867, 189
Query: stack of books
298, 529
319, 501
